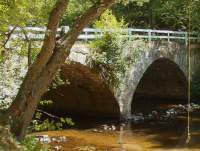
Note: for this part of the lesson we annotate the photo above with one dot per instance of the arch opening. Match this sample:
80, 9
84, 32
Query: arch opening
162, 84
85, 96
159, 103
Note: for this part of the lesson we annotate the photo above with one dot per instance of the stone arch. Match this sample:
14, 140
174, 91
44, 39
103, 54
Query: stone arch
86, 96
166, 50
163, 82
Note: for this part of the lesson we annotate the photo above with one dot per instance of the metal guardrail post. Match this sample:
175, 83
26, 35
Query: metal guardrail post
149, 38
86, 36
149, 35
129, 33
186, 38
168, 37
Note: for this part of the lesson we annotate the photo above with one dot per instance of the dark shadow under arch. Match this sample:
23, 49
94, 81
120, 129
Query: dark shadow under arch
86, 95
162, 87
162, 83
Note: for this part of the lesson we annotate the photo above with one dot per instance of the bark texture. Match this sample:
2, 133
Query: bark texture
53, 54
23, 100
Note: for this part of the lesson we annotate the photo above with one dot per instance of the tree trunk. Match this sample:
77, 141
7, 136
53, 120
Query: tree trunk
25, 94
29, 53
46, 65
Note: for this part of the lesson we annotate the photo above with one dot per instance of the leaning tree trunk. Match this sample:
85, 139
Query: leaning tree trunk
16, 112
42, 72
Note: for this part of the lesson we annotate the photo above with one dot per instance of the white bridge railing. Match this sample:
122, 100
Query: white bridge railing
38, 33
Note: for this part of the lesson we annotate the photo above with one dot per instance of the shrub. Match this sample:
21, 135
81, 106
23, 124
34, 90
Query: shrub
9, 143
31, 144
113, 53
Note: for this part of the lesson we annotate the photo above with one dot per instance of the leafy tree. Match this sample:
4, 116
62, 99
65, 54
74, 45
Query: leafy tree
160, 14
75, 10
24, 12
13, 62
114, 53
105, 53
52, 55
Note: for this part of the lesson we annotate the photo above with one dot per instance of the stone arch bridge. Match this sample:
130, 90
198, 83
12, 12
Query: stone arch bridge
160, 73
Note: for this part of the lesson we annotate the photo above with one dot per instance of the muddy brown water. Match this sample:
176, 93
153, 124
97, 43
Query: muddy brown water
149, 135
88, 135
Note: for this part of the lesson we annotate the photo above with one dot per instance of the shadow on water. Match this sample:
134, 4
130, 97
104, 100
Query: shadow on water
90, 122
162, 87
168, 134
163, 80
155, 134
130, 136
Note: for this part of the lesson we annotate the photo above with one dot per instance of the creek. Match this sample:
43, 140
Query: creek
155, 131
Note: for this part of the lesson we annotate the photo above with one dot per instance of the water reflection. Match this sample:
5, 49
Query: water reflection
121, 135
171, 134
150, 135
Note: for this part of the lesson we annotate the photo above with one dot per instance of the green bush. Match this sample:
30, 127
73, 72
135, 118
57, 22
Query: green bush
9, 143
44, 121
113, 53
31, 144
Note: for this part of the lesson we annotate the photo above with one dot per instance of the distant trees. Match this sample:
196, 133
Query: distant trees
160, 14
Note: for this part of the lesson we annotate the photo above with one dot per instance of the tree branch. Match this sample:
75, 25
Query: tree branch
48, 114
62, 51
28, 40
8, 36
96, 10
50, 38
42, 72
44, 55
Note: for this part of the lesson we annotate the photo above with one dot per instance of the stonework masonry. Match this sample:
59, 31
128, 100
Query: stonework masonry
88, 94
